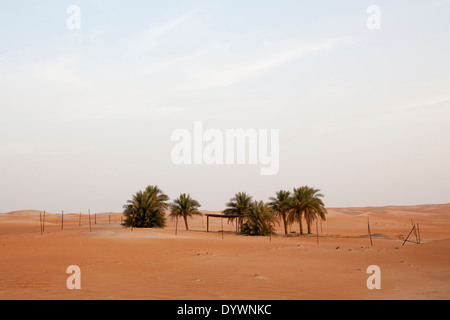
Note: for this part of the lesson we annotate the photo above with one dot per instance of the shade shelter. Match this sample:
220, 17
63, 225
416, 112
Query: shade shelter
222, 216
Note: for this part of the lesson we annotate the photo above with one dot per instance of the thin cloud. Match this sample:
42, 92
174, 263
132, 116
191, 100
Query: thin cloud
148, 39
230, 76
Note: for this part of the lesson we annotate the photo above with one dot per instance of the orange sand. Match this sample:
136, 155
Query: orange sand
118, 263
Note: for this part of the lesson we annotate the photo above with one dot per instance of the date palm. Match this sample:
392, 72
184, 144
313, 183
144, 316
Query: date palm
238, 205
260, 219
281, 204
184, 206
146, 209
316, 210
305, 201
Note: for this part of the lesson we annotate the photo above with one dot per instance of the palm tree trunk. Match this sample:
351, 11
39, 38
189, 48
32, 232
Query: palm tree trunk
309, 216
300, 222
285, 224
186, 223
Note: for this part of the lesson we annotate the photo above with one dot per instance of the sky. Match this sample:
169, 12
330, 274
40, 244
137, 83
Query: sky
87, 114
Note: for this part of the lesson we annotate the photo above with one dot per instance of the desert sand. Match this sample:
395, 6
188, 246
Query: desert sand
156, 264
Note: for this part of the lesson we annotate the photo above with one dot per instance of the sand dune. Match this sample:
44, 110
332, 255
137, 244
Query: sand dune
118, 263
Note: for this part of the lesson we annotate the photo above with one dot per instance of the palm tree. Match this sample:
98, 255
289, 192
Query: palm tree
238, 205
282, 205
316, 209
184, 206
260, 219
146, 209
306, 201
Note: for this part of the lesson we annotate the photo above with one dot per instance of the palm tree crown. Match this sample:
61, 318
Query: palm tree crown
238, 205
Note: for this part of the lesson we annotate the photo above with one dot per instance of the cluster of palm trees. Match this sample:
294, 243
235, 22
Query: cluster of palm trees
147, 209
303, 203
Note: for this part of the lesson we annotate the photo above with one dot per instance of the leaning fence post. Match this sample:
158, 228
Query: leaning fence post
370, 233
413, 228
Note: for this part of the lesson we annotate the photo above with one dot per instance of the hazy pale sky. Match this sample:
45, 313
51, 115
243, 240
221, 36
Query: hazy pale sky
86, 115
